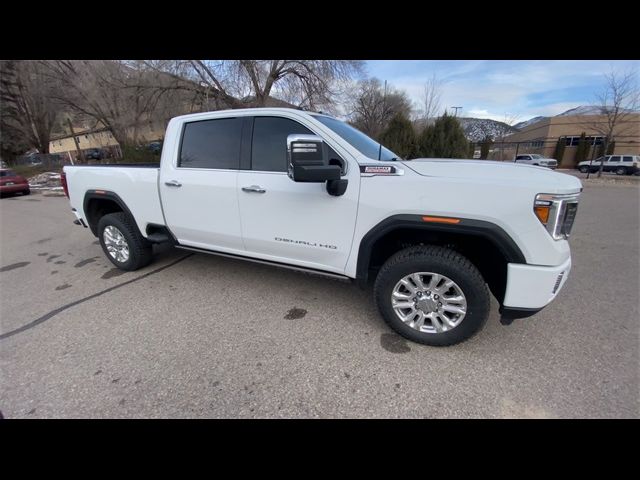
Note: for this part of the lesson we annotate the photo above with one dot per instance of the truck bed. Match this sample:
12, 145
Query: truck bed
136, 184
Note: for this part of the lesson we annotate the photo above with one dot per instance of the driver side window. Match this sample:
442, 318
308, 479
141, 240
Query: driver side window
269, 144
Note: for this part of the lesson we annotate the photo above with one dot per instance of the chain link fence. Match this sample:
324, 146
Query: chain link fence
44, 160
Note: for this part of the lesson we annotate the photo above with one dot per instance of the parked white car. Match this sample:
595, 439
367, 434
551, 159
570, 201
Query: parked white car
307, 191
620, 164
537, 160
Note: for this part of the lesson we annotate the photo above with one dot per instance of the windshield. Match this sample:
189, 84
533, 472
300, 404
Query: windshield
7, 173
535, 156
361, 142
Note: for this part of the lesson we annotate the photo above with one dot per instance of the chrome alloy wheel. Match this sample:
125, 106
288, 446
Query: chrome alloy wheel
116, 244
429, 302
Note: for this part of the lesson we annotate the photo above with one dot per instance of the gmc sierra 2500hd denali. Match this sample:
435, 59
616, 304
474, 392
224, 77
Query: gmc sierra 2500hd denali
308, 191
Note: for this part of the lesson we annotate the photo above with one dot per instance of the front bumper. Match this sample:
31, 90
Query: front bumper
532, 287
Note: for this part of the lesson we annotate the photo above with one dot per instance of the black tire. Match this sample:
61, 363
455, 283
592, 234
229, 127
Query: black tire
621, 171
140, 250
26, 192
437, 260
584, 169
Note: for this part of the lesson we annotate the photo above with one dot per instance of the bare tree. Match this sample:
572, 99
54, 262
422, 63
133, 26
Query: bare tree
28, 98
431, 97
372, 106
306, 84
503, 129
618, 99
124, 96
116, 94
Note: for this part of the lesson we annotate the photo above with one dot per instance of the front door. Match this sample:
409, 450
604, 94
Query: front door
290, 222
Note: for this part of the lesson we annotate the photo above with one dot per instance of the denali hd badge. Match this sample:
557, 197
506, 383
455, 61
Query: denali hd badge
304, 242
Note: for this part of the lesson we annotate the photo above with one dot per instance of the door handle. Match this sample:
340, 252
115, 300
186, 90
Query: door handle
254, 189
173, 183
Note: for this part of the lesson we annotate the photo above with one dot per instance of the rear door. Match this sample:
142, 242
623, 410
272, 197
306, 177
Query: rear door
198, 189
612, 162
292, 222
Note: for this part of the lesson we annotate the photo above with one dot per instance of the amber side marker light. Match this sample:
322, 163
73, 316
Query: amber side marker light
542, 212
441, 220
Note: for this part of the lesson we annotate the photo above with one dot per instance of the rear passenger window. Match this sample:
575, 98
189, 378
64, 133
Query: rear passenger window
627, 159
269, 145
211, 144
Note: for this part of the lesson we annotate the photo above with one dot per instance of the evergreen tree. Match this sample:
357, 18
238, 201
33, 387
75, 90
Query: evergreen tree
399, 137
485, 146
472, 149
582, 150
559, 152
444, 139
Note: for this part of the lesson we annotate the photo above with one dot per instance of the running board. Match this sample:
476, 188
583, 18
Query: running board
268, 262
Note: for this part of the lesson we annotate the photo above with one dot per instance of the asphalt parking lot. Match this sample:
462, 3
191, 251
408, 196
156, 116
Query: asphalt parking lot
194, 335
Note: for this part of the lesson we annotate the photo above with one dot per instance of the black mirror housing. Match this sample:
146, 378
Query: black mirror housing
316, 173
308, 159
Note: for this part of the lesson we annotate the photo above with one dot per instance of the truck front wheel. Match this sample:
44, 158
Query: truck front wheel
122, 243
432, 295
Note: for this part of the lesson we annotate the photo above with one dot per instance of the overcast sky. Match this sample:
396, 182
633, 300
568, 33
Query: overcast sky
495, 88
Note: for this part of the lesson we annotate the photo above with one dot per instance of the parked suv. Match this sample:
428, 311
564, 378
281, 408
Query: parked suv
620, 164
538, 160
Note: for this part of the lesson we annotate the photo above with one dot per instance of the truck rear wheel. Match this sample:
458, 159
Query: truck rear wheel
432, 295
621, 171
122, 243
584, 169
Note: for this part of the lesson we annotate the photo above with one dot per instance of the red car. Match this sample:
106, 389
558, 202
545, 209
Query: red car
10, 182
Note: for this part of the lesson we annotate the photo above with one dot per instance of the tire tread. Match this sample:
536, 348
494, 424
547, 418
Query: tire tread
438, 253
140, 250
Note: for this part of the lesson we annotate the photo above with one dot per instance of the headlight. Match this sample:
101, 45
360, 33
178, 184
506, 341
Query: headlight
556, 213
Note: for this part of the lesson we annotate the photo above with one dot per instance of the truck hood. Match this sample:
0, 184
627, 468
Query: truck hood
497, 173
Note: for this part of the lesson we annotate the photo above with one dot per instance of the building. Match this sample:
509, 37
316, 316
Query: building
542, 137
98, 138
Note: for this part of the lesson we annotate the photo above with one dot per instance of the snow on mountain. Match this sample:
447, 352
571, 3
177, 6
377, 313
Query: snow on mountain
582, 110
476, 129
526, 123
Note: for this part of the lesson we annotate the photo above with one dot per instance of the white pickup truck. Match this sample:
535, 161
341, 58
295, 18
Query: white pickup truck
307, 191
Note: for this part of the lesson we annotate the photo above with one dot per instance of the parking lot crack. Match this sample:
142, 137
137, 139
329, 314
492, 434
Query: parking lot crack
61, 309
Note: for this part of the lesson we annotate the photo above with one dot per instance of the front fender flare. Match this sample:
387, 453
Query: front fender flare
488, 230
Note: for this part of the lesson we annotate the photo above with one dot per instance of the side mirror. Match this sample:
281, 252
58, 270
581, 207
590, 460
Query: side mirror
308, 160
